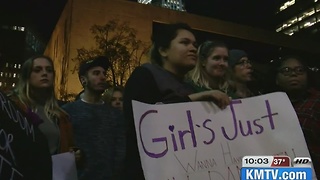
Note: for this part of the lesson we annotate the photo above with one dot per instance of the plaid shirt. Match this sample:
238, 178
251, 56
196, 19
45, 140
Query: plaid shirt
308, 111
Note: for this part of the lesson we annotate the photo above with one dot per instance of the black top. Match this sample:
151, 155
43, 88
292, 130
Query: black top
148, 84
24, 151
99, 131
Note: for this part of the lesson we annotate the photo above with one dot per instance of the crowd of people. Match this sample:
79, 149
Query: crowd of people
99, 128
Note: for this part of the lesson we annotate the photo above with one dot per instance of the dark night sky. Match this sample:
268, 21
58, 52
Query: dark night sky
43, 14
257, 13
39, 14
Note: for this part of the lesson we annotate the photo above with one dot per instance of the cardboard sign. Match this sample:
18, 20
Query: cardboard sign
197, 140
24, 152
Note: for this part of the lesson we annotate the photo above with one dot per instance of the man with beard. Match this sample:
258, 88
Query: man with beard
99, 128
292, 78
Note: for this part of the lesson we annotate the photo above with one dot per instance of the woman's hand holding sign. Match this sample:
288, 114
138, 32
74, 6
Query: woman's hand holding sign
220, 98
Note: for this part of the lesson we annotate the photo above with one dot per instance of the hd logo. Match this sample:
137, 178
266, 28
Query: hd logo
302, 162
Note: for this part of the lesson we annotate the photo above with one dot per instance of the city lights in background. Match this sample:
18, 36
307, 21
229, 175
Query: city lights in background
287, 4
11, 73
15, 28
144, 1
301, 21
170, 4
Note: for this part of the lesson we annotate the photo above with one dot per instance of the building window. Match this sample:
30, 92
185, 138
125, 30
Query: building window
1, 74
14, 75
307, 23
288, 32
7, 64
9, 75
287, 4
5, 74
318, 7
15, 66
0, 84
13, 84
18, 28
288, 23
301, 17
291, 30
293, 20
19, 66
144, 1
306, 14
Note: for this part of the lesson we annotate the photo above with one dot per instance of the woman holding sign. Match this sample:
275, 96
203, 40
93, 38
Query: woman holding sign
35, 95
212, 68
173, 55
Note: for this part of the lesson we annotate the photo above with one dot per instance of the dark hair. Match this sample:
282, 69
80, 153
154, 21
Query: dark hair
162, 39
277, 64
282, 60
206, 48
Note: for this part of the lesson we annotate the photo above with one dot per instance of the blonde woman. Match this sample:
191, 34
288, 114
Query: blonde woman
114, 97
211, 70
35, 95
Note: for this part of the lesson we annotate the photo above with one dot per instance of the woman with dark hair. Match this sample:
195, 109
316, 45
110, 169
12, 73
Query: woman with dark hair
34, 94
292, 78
173, 55
241, 73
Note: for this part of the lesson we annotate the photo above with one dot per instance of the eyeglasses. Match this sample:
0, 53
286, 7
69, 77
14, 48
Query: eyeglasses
286, 71
244, 63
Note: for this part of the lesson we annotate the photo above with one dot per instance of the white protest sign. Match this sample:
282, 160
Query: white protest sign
64, 167
197, 140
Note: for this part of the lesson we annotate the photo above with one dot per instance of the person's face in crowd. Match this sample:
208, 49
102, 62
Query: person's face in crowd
242, 71
95, 80
182, 52
292, 76
116, 99
217, 63
42, 74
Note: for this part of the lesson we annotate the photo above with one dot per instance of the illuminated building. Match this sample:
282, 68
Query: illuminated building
144, 1
11, 54
170, 4
298, 17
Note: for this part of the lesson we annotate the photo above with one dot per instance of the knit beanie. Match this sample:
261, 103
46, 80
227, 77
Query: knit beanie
235, 55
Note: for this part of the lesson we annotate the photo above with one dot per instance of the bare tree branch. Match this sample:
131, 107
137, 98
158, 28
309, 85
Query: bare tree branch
117, 41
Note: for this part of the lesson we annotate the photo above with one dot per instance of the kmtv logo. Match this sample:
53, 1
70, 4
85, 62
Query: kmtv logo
302, 162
